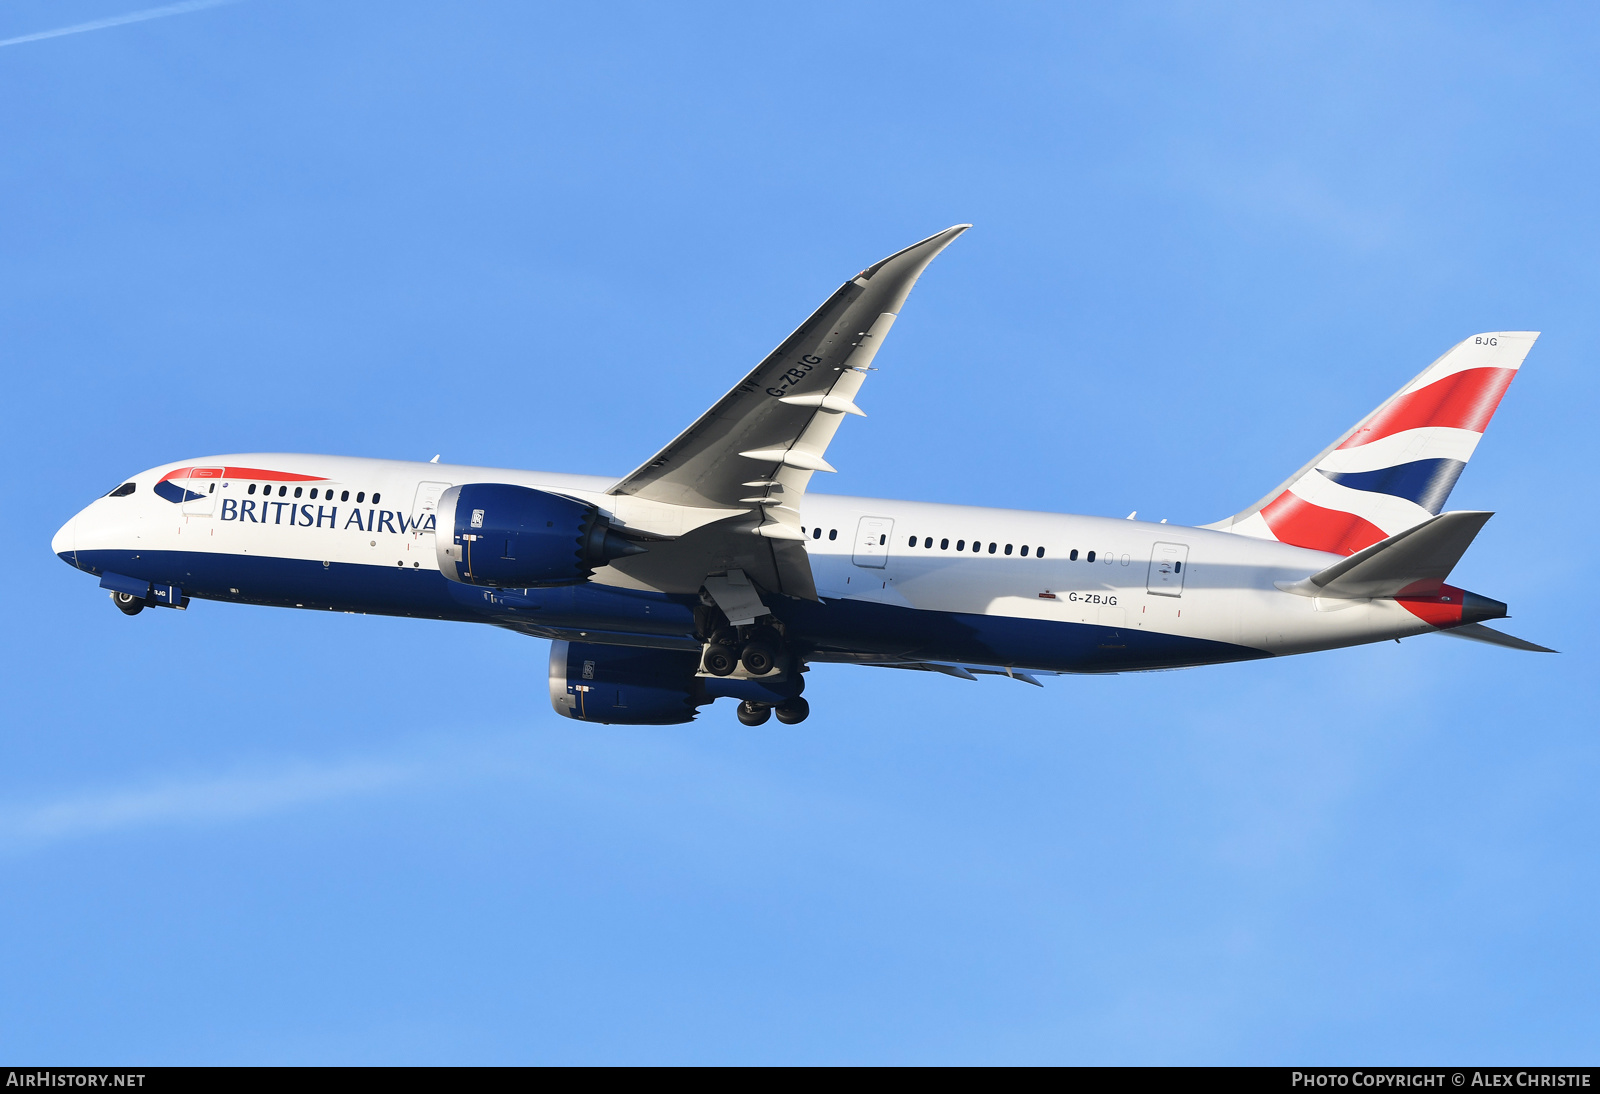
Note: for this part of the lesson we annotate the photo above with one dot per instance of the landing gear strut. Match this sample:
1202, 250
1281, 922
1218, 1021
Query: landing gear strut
127, 603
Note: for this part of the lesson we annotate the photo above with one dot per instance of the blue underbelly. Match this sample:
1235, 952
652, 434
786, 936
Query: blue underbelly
634, 617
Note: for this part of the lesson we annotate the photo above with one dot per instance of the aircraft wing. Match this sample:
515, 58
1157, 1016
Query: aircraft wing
751, 456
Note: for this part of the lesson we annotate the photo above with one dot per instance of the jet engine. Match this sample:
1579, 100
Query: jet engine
625, 685
514, 537
635, 686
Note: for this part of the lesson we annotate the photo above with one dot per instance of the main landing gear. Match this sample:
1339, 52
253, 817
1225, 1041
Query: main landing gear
790, 712
758, 653
127, 603
754, 656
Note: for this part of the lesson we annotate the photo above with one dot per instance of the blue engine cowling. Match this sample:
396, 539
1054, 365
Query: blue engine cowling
514, 537
625, 685
635, 686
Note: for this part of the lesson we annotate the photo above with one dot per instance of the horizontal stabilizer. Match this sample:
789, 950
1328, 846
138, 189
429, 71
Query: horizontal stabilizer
1479, 633
1414, 562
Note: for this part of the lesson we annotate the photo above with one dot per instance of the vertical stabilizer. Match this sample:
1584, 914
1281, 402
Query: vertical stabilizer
1393, 469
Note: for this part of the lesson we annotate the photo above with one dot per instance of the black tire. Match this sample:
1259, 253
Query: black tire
791, 712
753, 714
758, 658
127, 603
720, 660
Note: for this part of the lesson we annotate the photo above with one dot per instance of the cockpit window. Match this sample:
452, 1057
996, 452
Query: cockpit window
122, 491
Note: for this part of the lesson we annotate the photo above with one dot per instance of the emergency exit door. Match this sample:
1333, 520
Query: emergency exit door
1167, 563
872, 541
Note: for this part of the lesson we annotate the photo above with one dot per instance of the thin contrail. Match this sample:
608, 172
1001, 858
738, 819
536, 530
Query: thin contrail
118, 20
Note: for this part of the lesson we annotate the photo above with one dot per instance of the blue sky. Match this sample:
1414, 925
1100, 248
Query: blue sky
1208, 238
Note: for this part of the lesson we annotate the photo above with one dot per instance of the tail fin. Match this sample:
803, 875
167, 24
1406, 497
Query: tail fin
1393, 469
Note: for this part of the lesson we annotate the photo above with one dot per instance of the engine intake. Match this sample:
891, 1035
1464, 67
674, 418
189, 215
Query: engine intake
514, 537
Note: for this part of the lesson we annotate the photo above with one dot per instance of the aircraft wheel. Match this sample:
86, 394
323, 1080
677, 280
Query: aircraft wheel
720, 660
758, 658
127, 603
753, 714
791, 712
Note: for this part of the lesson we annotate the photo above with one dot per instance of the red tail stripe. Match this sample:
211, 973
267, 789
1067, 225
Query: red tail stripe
1463, 400
255, 474
1442, 609
1295, 520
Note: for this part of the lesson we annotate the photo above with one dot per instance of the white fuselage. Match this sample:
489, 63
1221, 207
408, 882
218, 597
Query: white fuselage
861, 550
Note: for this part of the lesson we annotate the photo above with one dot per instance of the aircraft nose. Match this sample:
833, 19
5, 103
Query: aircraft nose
64, 543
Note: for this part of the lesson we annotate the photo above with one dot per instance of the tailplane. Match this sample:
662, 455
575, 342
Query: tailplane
1395, 468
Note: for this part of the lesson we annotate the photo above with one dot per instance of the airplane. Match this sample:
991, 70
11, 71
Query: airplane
712, 571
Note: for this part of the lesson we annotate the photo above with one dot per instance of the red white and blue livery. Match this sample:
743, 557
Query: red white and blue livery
713, 571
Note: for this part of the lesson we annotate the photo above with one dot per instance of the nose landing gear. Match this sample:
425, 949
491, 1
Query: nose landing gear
127, 603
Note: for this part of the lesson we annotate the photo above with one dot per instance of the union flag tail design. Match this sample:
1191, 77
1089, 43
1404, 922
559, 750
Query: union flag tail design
1393, 469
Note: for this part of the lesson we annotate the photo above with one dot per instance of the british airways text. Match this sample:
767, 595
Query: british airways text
326, 516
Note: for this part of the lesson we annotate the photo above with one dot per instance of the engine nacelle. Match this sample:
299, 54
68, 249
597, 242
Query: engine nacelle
514, 537
625, 685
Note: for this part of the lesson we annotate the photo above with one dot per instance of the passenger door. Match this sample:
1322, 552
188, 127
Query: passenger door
425, 507
872, 541
200, 497
1166, 569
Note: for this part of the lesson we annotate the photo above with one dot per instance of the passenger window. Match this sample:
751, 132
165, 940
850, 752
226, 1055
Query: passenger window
883, 539
297, 491
1024, 551
252, 489
344, 495
1091, 556
361, 497
313, 493
1072, 555
1008, 548
944, 545
833, 533
1177, 567
283, 491
1038, 552
375, 498
213, 489
927, 543
961, 545
991, 548
816, 533
913, 542
122, 491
